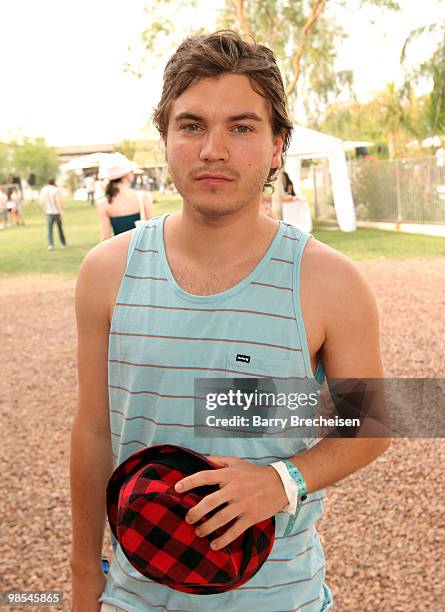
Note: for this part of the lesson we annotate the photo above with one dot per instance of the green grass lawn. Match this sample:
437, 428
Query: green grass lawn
370, 243
23, 250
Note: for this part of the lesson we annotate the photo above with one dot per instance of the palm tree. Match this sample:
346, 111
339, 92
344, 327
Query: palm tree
393, 110
433, 111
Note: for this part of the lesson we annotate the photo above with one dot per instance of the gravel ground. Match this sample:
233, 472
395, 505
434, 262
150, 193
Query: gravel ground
383, 530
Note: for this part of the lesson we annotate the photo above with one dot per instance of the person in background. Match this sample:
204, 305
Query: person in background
99, 192
90, 187
122, 207
288, 186
51, 201
18, 208
3, 209
32, 181
12, 204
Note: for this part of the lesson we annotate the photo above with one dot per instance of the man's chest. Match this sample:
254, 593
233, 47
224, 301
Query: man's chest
207, 281
211, 281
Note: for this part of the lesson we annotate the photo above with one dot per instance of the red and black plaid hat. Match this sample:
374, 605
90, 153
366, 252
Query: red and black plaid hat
147, 517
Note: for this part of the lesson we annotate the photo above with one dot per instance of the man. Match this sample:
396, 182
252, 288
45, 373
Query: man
90, 185
217, 289
51, 201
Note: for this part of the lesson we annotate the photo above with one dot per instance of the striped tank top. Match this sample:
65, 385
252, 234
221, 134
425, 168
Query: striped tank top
161, 339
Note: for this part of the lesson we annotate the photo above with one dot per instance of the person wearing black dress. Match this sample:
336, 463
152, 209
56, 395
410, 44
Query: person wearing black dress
122, 207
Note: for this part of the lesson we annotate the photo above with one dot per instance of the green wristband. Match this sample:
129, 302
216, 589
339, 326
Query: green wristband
302, 493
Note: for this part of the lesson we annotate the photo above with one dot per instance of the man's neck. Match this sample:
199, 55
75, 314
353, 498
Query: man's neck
221, 240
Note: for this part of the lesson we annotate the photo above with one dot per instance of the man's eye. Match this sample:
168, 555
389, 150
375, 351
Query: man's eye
243, 129
191, 127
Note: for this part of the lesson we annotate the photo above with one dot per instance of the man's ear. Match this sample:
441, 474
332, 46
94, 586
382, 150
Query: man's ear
164, 147
278, 143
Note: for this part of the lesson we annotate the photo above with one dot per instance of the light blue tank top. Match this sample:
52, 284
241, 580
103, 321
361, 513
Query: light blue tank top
161, 338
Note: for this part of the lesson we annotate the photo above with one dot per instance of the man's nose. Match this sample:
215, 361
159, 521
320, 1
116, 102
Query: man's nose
214, 146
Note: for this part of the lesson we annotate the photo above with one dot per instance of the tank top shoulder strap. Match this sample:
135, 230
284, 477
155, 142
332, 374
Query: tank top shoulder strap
301, 239
143, 237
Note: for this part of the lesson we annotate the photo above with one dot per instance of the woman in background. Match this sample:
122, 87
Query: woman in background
12, 205
122, 207
288, 186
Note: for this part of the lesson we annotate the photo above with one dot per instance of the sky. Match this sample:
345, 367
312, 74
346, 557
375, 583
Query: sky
62, 64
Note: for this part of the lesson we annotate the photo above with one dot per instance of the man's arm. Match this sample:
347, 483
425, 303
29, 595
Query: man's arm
351, 350
59, 202
91, 461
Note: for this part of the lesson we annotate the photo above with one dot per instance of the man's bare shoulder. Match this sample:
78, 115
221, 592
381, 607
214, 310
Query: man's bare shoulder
336, 283
102, 270
110, 255
323, 260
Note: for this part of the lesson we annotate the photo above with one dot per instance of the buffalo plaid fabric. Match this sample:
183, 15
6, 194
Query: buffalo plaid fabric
147, 517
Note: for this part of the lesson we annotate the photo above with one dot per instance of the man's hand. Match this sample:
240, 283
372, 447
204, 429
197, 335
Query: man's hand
252, 493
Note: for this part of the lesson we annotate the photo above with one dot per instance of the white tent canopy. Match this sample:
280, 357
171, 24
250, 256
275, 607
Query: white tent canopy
310, 144
83, 162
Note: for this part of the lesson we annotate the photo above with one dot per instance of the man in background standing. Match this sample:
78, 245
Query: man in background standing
51, 201
90, 183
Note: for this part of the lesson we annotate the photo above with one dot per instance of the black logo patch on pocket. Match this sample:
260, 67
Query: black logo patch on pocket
244, 358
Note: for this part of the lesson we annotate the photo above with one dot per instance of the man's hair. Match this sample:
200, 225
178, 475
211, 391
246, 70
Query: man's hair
51, 181
225, 52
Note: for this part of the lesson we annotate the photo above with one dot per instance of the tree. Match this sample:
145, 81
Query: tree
5, 162
127, 148
267, 21
303, 34
392, 107
72, 181
353, 121
433, 69
166, 29
390, 117
34, 156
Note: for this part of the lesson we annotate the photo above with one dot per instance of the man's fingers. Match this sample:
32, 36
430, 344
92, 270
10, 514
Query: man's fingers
206, 505
231, 534
206, 477
220, 519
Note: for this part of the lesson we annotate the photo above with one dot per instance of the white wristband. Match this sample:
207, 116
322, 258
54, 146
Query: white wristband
290, 486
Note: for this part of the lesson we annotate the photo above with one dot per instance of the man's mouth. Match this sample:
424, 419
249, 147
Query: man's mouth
211, 178
213, 175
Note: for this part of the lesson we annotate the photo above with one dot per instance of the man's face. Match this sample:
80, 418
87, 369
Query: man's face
220, 146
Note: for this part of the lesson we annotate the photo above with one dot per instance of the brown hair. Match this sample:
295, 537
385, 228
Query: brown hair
112, 189
219, 53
